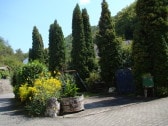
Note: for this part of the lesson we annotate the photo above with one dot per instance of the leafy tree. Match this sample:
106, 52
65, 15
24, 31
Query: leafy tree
79, 50
20, 55
150, 49
109, 47
90, 57
8, 57
125, 22
37, 46
5, 48
56, 48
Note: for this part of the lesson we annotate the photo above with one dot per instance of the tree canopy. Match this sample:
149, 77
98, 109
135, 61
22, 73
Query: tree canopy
79, 50
150, 45
125, 22
37, 50
108, 46
90, 52
56, 48
8, 57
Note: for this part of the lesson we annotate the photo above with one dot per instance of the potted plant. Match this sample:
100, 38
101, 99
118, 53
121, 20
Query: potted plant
71, 100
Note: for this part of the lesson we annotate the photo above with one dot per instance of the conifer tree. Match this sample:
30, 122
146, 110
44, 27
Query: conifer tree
30, 54
90, 57
56, 48
79, 50
109, 47
36, 53
151, 42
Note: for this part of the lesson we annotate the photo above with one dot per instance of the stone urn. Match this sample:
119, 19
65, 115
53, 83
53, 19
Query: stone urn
72, 104
52, 107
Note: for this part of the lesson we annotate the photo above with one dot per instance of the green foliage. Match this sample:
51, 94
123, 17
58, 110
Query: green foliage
37, 50
109, 47
43, 89
46, 57
20, 55
30, 54
127, 54
68, 48
56, 48
5, 48
125, 22
4, 74
68, 43
27, 74
162, 91
150, 42
8, 57
78, 55
70, 88
92, 80
90, 57
36, 107
33, 86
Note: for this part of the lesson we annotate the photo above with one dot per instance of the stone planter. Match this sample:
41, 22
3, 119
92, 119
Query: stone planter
52, 107
72, 104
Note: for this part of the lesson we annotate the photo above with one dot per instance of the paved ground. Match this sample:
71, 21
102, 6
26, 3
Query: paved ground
100, 111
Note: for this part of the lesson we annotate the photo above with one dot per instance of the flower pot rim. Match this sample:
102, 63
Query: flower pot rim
78, 95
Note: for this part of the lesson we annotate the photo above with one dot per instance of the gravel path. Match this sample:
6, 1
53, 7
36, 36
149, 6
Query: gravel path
5, 86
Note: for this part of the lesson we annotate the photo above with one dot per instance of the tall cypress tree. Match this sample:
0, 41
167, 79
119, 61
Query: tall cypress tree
150, 49
108, 45
36, 53
79, 50
56, 48
90, 57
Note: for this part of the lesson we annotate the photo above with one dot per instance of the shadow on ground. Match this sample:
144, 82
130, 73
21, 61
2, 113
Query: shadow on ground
8, 106
109, 101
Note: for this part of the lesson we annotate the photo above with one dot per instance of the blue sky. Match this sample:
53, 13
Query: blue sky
17, 17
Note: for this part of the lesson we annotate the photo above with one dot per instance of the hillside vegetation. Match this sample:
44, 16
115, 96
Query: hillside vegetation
8, 57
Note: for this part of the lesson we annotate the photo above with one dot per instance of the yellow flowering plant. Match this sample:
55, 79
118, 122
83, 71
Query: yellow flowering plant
48, 87
36, 96
26, 92
44, 89
34, 85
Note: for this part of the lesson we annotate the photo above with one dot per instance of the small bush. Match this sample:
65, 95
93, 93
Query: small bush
4, 74
27, 74
93, 80
70, 88
162, 91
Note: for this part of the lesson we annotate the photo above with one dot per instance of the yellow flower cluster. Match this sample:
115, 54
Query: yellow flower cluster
48, 86
41, 87
25, 92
